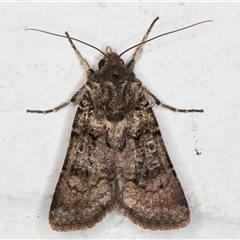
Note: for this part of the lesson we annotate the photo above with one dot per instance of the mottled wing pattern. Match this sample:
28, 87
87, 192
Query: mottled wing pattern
149, 191
85, 190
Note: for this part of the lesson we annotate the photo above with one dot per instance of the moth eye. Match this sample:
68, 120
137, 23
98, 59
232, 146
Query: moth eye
101, 63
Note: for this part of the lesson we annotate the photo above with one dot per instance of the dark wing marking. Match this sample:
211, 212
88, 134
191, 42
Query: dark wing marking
85, 190
148, 188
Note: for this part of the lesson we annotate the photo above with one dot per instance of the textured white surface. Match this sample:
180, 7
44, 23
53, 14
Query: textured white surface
196, 68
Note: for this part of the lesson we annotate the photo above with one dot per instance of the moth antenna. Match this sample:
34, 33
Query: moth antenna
59, 35
161, 35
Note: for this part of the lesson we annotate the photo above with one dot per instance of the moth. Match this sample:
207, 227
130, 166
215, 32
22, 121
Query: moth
116, 156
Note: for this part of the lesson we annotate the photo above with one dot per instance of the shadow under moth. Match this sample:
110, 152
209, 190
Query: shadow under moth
116, 156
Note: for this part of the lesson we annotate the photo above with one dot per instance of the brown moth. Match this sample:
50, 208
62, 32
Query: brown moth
116, 156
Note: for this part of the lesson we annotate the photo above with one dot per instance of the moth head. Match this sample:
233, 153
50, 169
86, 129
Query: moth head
110, 59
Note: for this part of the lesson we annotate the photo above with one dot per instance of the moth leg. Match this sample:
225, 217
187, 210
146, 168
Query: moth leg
83, 62
138, 51
75, 98
86, 66
159, 103
50, 110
